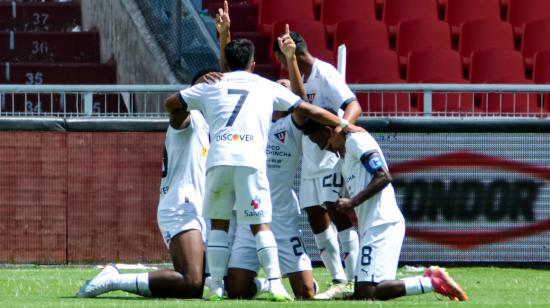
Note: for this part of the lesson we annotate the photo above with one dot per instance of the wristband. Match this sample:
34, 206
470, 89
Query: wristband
343, 123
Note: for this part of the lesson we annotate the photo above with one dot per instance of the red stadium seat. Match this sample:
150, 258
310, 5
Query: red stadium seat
377, 65
49, 46
335, 11
484, 34
521, 12
419, 34
541, 73
358, 33
501, 66
312, 31
441, 66
461, 11
535, 38
271, 11
398, 11
46, 16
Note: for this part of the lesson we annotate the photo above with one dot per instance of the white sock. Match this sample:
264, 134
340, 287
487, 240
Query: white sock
350, 248
133, 283
267, 253
417, 285
262, 285
330, 253
217, 255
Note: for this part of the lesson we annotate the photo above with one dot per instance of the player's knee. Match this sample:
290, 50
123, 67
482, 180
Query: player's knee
304, 292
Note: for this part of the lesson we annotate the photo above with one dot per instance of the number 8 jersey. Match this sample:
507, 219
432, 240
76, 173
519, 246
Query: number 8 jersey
238, 111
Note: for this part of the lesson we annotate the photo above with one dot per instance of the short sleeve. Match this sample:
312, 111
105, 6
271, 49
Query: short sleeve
191, 97
294, 129
337, 90
360, 145
284, 99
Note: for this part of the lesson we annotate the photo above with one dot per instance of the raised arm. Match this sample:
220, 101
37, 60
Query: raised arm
179, 116
223, 23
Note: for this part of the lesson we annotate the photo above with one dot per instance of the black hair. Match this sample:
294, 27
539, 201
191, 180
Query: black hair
239, 54
201, 73
301, 45
311, 126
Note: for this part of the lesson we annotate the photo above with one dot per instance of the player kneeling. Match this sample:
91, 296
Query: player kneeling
381, 224
178, 215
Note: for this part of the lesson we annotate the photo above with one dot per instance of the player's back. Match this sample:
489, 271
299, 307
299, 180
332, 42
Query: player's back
238, 110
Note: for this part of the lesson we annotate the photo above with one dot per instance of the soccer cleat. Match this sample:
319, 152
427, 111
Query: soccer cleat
102, 283
277, 292
335, 290
443, 284
216, 291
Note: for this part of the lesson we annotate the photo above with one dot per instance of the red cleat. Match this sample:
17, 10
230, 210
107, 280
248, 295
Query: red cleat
443, 284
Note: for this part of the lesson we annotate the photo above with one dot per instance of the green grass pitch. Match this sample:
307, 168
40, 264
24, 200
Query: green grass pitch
486, 287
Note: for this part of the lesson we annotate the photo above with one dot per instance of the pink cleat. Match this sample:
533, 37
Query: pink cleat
443, 284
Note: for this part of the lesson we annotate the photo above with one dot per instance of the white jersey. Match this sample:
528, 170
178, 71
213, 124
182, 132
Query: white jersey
284, 150
183, 168
238, 110
325, 88
379, 209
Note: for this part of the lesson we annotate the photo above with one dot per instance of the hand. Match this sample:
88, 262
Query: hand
210, 78
344, 205
222, 19
354, 129
286, 43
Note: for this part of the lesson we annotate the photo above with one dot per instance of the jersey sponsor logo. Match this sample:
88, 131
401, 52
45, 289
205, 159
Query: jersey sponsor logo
204, 151
281, 136
256, 211
311, 97
275, 150
255, 203
506, 198
234, 137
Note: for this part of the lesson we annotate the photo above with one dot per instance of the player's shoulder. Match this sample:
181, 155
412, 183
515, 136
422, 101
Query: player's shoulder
326, 69
360, 140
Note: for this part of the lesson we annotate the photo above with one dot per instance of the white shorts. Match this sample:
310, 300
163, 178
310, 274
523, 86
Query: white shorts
172, 221
379, 251
291, 250
244, 188
320, 190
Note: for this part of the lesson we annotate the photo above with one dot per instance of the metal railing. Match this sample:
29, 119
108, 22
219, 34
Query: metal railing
391, 100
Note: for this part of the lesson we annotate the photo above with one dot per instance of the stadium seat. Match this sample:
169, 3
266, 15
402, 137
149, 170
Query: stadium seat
377, 65
335, 11
49, 46
398, 11
271, 11
541, 73
536, 37
441, 66
313, 32
521, 12
421, 33
501, 66
44, 16
51, 73
358, 33
461, 11
484, 34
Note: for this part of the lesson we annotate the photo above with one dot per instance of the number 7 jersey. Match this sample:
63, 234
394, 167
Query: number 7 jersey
238, 111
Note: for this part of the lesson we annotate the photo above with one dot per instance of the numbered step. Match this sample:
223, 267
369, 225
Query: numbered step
39, 16
62, 73
49, 46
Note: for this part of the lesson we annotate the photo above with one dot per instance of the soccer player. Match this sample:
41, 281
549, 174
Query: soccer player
238, 111
284, 149
179, 216
321, 182
381, 224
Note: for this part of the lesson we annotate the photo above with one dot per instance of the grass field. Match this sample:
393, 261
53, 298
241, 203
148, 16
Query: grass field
486, 286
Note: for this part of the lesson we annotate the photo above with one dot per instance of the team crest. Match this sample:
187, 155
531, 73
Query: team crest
281, 136
311, 97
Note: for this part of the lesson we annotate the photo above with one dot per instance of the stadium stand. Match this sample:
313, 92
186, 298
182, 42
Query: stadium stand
271, 11
535, 39
335, 11
441, 66
421, 33
377, 65
398, 11
484, 34
541, 73
503, 66
458, 12
357, 33
42, 44
521, 12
